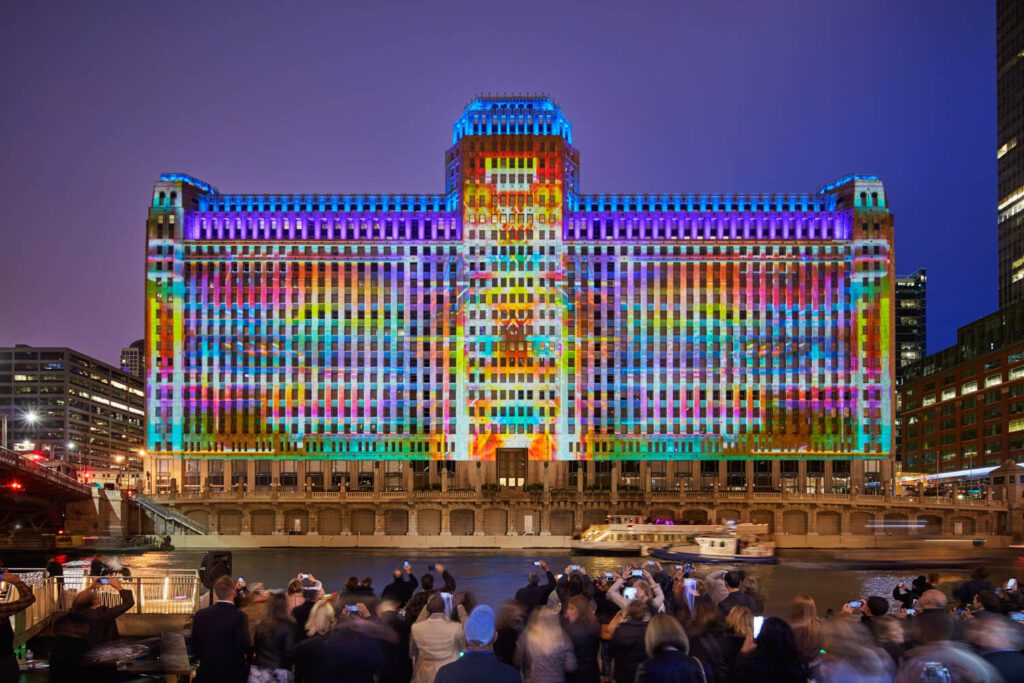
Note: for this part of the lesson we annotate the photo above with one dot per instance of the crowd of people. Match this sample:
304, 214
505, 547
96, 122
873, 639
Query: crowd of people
645, 623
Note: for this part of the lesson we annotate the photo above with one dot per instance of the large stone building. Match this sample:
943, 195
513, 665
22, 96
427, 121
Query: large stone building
515, 332
71, 407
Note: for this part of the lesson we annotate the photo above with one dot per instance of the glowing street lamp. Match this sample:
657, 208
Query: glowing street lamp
31, 417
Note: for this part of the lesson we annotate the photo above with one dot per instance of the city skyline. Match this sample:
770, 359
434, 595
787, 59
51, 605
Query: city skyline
706, 133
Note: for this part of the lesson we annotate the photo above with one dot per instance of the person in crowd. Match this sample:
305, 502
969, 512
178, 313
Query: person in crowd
986, 602
338, 649
627, 643
999, 642
714, 584
573, 582
511, 622
775, 656
966, 591
544, 653
366, 587
220, 637
397, 666
889, 636
351, 586
735, 596
534, 595
293, 595
906, 595
705, 634
321, 619
606, 611
419, 600
8, 662
479, 663
100, 620
54, 567
312, 591
98, 567
668, 652
850, 654
874, 607
435, 641
946, 660
253, 605
402, 586
648, 592
583, 630
1012, 597
933, 623
274, 641
803, 619
739, 632
751, 587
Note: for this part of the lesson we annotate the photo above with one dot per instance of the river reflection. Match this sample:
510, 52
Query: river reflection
494, 576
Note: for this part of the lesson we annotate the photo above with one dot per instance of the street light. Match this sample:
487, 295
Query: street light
30, 416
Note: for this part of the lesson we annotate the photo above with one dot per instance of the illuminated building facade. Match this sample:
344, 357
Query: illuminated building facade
515, 319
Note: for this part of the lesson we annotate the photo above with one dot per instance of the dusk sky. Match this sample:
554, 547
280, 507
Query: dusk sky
99, 98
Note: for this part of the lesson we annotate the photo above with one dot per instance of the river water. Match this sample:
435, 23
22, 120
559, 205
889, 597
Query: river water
494, 576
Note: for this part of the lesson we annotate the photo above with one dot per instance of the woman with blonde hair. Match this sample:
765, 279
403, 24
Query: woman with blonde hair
803, 618
668, 654
544, 653
321, 618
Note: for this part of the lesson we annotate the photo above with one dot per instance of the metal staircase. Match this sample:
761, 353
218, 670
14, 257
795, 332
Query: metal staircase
170, 515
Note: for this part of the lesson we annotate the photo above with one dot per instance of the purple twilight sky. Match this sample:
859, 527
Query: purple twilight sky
737, 95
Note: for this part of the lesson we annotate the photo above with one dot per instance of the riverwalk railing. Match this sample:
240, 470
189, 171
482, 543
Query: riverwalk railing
156, 592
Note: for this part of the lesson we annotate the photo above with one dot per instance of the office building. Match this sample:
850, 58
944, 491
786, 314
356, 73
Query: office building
1010, 150
133, 358
71, 407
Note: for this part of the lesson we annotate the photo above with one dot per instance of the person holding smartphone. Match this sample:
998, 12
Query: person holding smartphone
533, 594
647, 590
8, 662
404, 583
100, 620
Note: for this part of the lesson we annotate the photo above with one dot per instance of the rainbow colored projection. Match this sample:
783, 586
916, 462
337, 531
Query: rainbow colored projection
514, 312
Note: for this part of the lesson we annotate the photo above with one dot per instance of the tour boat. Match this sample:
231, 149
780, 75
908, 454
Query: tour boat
723, 547
633, 534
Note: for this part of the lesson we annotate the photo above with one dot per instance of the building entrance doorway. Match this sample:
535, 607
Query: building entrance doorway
512, 466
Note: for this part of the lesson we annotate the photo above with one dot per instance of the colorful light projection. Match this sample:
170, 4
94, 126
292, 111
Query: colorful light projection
514, 312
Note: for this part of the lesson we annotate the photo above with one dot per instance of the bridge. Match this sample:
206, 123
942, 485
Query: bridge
32, 495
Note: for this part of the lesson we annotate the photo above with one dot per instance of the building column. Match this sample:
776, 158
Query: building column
844, 521
313, 517
444, 481
279, 521
510, 513
204, 475
407, 481
801, 477
645, 476
478, 477
776, 475
857, 477
378, 518
412, 530
300, 476
616, 473
250, 474
581, 474
478, 522
275, 474
812, 522
828, 477
545, 520
748, 475
545, 477
346, 522
446, 521
246, 522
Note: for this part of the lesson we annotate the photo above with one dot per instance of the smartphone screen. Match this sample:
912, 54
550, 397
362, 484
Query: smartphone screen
104, 581
856, 604
758, 622
1017, 616
1011, 584
629, 593
536, 564
447, 602
637, 572
911, 611
691, 584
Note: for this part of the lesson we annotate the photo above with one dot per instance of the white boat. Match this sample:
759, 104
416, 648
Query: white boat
632, 535
724, 547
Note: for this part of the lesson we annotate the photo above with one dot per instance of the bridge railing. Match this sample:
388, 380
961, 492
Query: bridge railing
14, 459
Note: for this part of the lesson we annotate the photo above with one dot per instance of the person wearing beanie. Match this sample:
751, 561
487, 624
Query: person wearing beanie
478, 662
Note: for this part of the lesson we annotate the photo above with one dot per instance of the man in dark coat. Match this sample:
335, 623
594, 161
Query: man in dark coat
403, 586
735, 596
534, 595
479, 662
220, 637
419, 601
